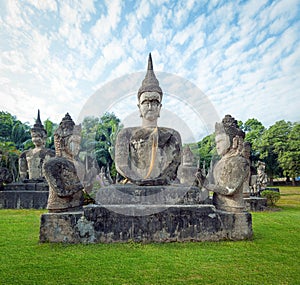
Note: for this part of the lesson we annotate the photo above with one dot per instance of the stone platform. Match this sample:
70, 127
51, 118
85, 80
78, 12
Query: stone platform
24, 196
255, 204
166, 223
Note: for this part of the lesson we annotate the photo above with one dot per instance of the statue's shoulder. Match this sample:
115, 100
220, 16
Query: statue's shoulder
238, 163
47, 152
58, 163
170, 132
127, 132
24, 153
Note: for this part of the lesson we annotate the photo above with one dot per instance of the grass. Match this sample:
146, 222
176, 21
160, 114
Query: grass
271, 258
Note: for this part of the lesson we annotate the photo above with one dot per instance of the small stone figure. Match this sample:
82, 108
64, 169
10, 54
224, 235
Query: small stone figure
187, 170
260, 180
65, 187
31, 161
232, 170
148, 155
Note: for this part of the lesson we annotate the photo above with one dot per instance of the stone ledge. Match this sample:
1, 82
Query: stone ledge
255, 204
175, 223
23, 199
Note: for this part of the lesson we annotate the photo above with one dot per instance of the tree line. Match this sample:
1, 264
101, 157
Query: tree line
278, 146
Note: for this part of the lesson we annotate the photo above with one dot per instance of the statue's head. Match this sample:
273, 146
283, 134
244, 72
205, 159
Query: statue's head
228, 135
67, 138
246, 152
38, 132
150, 95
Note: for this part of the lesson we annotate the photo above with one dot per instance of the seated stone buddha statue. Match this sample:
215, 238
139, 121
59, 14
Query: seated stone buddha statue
148, 155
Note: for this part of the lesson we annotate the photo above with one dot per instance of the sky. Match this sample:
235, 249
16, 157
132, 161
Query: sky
211, 57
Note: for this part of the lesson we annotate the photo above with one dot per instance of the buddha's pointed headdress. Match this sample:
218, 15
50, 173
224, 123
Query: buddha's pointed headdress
150, 83
38, 126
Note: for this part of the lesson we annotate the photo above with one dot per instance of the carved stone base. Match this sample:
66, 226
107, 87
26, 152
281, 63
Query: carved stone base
24, 196
255, 204
123, 223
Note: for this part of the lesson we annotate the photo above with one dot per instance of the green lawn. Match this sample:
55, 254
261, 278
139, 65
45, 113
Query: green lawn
273, 257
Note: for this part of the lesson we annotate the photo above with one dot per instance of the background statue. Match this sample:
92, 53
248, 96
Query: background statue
259, 181
231, 172
31, 161
148, 155
62, 172
5, 175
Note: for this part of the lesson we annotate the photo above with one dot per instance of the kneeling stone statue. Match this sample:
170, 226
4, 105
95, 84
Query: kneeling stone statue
65, 187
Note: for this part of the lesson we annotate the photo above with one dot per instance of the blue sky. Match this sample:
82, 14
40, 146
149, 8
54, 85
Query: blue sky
243, 55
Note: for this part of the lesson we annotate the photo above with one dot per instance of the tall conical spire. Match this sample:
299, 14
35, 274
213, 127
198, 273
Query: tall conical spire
150, 64
150, 83
38, 126
38, 120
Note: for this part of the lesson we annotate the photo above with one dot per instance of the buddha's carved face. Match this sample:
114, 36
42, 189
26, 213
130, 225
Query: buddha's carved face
222, 143
38, 139
149, 105
74, 144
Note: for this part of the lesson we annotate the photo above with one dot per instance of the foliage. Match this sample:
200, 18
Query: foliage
272, 197
9, 158
98, 139
254, 130
50, 127
207, 149
265, 260
289, 152
13, 130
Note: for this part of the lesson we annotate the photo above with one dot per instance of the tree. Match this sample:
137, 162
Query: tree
50, 128
13, 130
9, 159
254, 130
272, 145
289, 152
207, 149
98, 139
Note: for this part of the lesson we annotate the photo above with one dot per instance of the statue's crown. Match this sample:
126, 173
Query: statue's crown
229, 126
67, 127
38, 126
150, 83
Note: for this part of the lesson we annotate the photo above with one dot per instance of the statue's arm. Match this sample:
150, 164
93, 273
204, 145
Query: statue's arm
23, 166
122, 158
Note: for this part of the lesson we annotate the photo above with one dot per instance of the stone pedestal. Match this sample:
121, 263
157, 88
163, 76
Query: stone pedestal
166, 223
24, 196
255, 204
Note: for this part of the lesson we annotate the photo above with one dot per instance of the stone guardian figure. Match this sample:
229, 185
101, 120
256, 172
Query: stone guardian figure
231, 172
31, 161
65, 187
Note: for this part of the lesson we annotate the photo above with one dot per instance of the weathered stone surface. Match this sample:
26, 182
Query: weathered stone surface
23, 199
24, 196
150, 195
255, 204
30, 186
100, 224
60, 227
